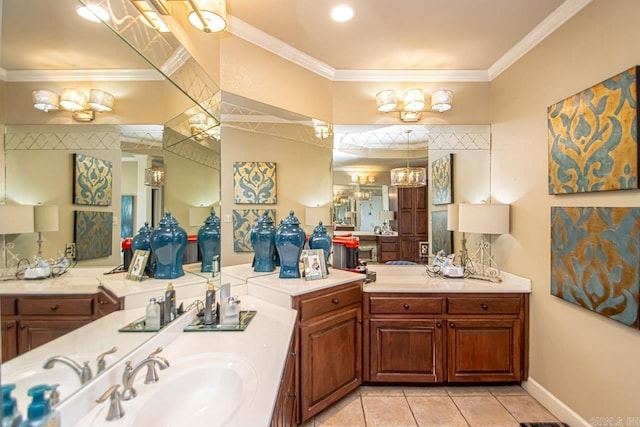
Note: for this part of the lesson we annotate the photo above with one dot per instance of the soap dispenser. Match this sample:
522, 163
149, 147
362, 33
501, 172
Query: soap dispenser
39, 412
209, 301
10, 415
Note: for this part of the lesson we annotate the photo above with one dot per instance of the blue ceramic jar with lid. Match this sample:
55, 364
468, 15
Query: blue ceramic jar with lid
209, 243
168, 243
321, 240
290, 240
263, 240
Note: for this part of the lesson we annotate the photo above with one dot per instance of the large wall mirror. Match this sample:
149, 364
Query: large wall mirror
152, 126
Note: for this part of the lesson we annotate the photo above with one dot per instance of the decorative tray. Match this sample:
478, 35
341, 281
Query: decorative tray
198, 326
138, 325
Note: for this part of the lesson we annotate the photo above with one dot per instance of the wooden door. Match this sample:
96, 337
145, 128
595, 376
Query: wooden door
330, 359
406, 350
484, 350
9, 339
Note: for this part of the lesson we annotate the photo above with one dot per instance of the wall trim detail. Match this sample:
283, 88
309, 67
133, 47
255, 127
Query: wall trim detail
553, 404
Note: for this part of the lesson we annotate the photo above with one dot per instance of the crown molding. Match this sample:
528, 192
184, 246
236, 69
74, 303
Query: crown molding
3, 74
276, 46
82, 75
563, 13
178, 59
427, 76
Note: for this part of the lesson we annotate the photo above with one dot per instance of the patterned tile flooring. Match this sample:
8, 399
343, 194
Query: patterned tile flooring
502, 406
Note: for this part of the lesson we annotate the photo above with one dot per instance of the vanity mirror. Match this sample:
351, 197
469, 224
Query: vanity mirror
151, 126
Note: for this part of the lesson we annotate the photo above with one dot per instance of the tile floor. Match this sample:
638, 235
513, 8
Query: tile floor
503, 406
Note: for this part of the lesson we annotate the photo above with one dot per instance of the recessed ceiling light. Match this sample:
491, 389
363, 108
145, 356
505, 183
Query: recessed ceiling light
342, 13
93, 13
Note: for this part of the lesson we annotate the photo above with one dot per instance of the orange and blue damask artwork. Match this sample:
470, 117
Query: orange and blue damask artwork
243, 222
595, 260
593, 138
442, 180
92, 181
254, 183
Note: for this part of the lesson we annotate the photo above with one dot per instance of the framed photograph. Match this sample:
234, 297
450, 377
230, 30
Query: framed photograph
314, 265
138, 263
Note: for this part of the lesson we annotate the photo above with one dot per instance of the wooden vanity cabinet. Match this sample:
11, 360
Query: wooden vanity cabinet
329, 328
387, 248
285, 412
444, 338
30, 320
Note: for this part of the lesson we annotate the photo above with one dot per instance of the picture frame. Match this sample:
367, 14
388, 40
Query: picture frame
314, 265
138, 264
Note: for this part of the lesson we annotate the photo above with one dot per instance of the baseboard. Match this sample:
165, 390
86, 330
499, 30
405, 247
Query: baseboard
553, 404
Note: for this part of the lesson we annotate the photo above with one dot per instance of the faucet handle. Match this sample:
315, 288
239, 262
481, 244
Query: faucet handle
85, 374
54, 395
115, 407
102, 364
128, 391
155, 353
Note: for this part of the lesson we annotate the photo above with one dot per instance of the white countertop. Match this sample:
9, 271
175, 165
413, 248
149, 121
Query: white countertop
413, 278
74, 281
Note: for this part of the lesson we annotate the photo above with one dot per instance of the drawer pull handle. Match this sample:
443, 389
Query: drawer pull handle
294, 395
293, 354
406, 306
438, 325
484, 306
9, 325
335, 301
453, 325
53, 307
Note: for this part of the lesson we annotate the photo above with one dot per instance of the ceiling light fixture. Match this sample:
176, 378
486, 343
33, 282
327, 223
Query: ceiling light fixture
363, 179
209, 16
93, 13
73, 100
150, 17
408, 176
413, 103
342, 13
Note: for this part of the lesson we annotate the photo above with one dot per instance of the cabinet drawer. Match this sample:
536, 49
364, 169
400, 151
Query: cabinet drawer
405, 305
483, 305
8, 305
388, 239
388, 256
314, 306
55, 306
388, 247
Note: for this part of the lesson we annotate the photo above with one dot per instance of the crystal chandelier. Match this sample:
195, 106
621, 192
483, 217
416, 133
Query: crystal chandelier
408, 176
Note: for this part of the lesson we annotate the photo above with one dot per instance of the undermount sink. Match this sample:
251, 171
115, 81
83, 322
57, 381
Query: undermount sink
209, 389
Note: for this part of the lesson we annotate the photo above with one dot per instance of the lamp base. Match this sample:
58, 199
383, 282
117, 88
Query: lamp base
481, 264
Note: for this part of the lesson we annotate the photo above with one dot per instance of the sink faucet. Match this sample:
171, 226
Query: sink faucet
130, 372
84, 371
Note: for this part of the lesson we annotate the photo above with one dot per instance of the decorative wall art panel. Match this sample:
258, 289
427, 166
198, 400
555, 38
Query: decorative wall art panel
441, 238
593, 138
92, 181
93, 234
595, 259
243, 221
126, 216
442, 180
254, 183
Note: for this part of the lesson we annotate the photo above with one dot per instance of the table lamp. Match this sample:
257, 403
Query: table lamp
45, 219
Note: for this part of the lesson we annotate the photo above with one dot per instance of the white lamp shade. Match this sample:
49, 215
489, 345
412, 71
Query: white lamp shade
483, 218
413, 100
100, 100
452, 217
198, 214
314, 215
73, 100
45, 218
214, 13
442, 100
45, 100
387, 215
16, 219
386, 100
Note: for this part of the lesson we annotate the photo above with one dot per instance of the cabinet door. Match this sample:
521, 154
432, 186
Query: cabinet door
9, 340
285, 412
408, 249
484, 350
330, 359
33, 333
106, 304
406, 350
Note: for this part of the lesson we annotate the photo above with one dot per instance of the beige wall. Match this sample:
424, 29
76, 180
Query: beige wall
303, 179
587, 361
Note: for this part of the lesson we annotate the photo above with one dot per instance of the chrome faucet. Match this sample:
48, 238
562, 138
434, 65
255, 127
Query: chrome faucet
129, 375
102, 364
84, 371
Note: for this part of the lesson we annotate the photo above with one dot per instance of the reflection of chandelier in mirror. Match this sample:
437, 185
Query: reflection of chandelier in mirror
362, 195
209, 16
322, 129
75, 101
202, 125
154, 177
408, 176
413, 103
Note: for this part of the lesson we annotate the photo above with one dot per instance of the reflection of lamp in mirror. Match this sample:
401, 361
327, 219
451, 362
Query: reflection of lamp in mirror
483, 219
387, 216
14, 219
154, 177
45, 219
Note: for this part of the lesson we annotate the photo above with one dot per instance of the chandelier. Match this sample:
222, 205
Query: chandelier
408, 176
413, 103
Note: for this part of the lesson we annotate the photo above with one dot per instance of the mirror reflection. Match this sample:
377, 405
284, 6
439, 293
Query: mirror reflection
156, 137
